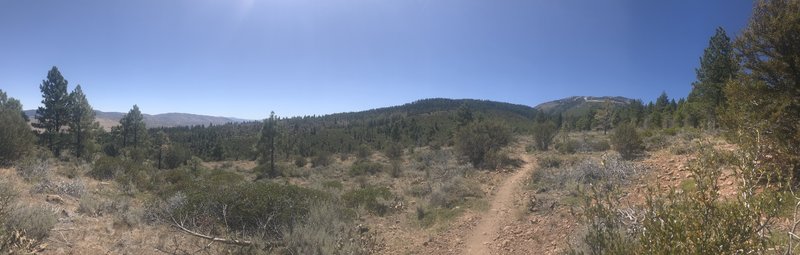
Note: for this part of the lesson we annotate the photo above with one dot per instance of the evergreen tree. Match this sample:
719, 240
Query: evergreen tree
82, 125
763, 106
132, 128
16, 137
464, 115
54, 115
717, 65
266, 145
162, 143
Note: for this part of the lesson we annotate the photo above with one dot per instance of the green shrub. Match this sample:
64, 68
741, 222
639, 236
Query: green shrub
479, 141
543, 134
106, 168
372, 198
569, 146
394, 151
333, 184
396, 169
549, 161
16, 138
363, 152
300, 161
322, 159
365, 167
251, 208
626, 141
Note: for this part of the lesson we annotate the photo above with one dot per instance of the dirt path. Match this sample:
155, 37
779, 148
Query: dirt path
501, 211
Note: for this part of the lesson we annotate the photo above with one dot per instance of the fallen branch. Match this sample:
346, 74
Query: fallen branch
220, 240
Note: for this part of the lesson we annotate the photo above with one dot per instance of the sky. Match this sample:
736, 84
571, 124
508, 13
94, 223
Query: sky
245, 58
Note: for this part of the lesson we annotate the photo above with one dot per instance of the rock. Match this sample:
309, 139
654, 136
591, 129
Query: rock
54, 199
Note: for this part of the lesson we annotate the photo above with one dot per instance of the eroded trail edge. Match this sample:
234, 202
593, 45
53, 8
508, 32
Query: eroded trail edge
501, 211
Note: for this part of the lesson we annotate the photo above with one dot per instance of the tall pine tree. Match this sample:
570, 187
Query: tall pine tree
266, 146
133, 129
82, 125
54, 115
718, 65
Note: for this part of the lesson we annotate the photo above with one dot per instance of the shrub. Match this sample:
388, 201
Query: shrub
75, 188
34, 221
363, 151
396, 169
34, 168
543, 134
454, 192
8, 194
626, 141
372, 198
365, 167
394, 151
322, 159
478, 141
300, 161
569, 146
106, 168
251, 208
94, 205
549, 161
327, 229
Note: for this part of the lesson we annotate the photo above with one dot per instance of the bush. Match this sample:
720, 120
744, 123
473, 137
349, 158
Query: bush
34, 168
328, 229
363, 151
372, 198
396, 169
8, 194
75, 188
34, 221
322, 159
394, 151
365, 167
549, 161
454, 192
626, 141
106, 168
94, 205
258, 208
479, 141
543, 134
570, 146
300, 161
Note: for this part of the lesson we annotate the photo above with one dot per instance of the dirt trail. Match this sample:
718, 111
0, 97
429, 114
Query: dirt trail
501, 211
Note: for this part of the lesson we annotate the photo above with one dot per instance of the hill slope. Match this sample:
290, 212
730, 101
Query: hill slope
580, 104
110, 119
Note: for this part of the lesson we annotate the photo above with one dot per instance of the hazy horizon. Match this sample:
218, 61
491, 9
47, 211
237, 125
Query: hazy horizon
246, 58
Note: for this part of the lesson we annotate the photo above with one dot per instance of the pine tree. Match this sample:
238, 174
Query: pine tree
717, 66
82, 125
54, 115
132, 128
16, 137
266, 145
763, 102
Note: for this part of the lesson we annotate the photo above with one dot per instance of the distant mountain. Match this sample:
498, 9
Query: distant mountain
580, 104
110, 119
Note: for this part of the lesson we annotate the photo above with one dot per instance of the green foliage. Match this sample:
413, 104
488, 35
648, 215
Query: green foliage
257, 208
300, 161
371, 198
54, 114
394, 151
327, 229
543, 134
82, 126
717, 65
132, 130
626, 141
322, 159
762, 108
106, 168
266, 147
480, 141
365, 167
16, 138
698, 221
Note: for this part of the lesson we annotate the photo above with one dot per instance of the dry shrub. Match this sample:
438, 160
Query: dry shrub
34, 168
75, 188
33, 220
327, 229
454, 192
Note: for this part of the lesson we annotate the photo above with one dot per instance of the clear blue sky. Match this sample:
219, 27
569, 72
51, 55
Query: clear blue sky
244, 58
